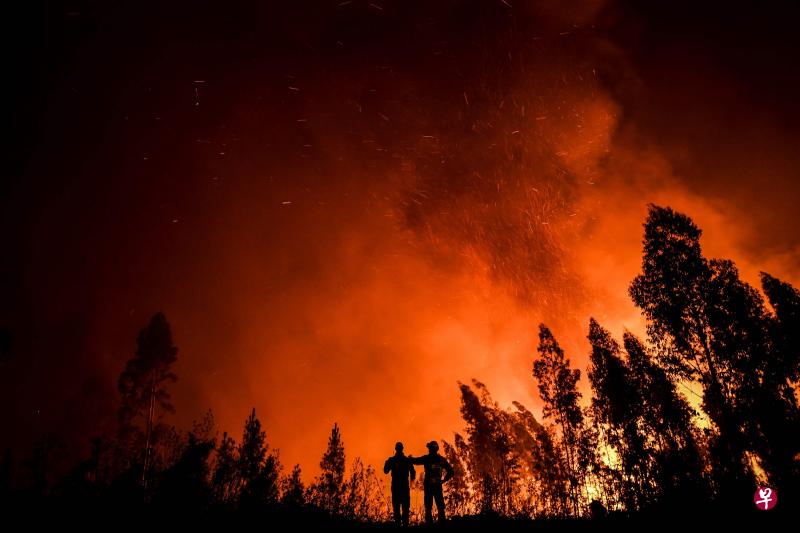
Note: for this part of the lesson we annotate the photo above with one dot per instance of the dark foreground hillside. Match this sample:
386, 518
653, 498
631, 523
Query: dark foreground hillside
150, 518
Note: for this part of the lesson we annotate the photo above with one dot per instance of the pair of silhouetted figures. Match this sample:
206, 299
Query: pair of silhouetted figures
437, 472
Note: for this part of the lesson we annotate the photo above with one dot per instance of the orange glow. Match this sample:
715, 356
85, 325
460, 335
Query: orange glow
341, 222
352, 316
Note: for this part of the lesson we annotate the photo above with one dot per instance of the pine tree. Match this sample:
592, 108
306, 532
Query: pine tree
259, 471
224, 480
330, 486
293, 492
142, 388
269, 482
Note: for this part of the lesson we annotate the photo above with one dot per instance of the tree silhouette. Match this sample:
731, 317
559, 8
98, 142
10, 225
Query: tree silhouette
293, 491
364, 499
785, 301
548, 484
463, 452
330, 487
224, 480
508, 464
684, 298
541, 488
617, 405
557, 384
676, 465
637, 448
185, 484
775, 405
142, 388
492, 464
259, 471
456, 491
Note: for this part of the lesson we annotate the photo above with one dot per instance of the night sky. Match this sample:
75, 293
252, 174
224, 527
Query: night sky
345, 207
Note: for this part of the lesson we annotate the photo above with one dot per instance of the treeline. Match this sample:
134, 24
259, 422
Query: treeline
638, 445
146, 463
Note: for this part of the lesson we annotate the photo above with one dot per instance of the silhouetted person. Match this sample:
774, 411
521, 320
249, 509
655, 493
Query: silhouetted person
437, 472
402, 471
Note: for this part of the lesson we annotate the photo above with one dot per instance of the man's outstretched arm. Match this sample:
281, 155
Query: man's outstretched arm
416, 460
387, 465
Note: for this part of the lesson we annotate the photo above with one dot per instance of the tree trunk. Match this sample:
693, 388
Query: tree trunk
149, 432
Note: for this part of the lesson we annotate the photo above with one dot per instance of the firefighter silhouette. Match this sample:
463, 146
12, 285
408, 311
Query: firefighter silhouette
402, 471
437, 472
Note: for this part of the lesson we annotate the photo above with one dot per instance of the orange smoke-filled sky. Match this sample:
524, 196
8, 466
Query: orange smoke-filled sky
345, 208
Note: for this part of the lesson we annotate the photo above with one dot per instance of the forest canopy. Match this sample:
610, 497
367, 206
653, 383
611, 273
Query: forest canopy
635, 445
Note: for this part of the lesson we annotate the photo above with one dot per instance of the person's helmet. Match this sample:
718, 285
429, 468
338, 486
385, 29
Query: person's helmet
398, 447
433, 446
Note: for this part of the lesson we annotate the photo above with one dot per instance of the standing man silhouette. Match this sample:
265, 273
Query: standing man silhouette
402, 470
435, 466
